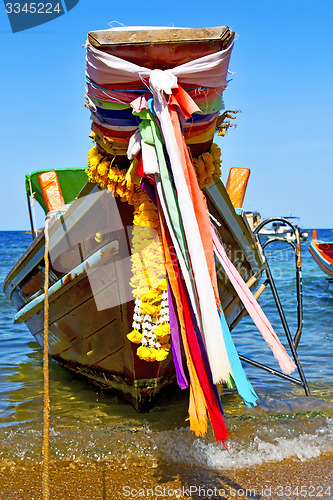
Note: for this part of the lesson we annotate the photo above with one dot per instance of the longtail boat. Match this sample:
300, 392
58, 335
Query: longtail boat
150, 256
322, 252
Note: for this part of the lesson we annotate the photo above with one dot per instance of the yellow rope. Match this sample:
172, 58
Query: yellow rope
46, 410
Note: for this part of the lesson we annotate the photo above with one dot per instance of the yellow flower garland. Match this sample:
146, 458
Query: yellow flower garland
151, 328
148, 267
207, 165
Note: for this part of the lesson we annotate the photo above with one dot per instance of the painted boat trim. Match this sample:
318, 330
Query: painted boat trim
67, 281
318, 256
80, 210
37, 257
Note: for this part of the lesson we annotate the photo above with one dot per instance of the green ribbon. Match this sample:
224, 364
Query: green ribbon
109, 105
151, 135
211, 106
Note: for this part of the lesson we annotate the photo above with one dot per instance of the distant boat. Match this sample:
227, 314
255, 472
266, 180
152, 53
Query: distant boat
280, 229
322, 252
36, 231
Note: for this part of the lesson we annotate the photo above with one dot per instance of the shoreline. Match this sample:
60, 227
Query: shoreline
68, 480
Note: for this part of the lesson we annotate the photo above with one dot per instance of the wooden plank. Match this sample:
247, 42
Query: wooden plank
157, 36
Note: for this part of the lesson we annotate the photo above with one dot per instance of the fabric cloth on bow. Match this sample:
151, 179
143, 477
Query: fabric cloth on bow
160, 84
286, 363
207, 71
192, 211
167, 106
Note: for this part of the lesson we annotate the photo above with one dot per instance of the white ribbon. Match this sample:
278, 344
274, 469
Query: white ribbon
211, 325
134, 145
206, 71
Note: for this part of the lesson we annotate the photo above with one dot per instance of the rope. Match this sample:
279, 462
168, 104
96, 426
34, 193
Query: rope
46, 408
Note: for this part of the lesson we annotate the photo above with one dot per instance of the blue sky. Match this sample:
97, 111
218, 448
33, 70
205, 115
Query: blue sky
282, 82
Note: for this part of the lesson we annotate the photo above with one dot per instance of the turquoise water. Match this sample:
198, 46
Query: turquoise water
88, 424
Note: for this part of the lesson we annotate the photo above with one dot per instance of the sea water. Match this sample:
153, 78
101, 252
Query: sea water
87, 424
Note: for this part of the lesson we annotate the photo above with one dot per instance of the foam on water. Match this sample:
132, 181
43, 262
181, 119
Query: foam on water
145, 447
182, 447
88, 425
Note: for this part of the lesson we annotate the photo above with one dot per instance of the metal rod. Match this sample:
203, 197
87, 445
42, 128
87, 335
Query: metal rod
244, 311
30, 217
293, 343
236, 299
275, 219
271, 370
298, 334
33, 209
286, 329
299, 293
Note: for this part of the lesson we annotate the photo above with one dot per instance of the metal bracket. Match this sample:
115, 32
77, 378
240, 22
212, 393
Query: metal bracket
293, 342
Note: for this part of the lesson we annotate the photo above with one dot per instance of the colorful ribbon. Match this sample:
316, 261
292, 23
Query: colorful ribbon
169, 107
286, 363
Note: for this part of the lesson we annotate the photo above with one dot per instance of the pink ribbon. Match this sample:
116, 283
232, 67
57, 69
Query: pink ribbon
259, 318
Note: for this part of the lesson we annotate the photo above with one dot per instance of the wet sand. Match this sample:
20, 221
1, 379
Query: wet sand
289, 479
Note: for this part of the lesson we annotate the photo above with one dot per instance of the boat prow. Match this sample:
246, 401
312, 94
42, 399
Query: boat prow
322, 252
92, 307
149, 257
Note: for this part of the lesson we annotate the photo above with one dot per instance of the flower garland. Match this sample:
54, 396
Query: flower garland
150, 325
102, 171
151, 328
151, 316
207, 165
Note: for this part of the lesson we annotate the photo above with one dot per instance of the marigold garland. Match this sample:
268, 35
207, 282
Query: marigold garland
150, 325
151, 328
208, 165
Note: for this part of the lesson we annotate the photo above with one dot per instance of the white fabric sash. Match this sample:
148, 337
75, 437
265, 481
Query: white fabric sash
206, 71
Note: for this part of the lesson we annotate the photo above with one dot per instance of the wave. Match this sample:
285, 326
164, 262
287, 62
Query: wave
181, 447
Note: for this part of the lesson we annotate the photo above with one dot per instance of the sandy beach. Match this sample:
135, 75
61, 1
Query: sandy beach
289, 479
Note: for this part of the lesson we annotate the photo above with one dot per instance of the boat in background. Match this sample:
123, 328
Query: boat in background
322, 252
279, 229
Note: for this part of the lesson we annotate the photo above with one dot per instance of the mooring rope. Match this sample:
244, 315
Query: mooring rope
46, 408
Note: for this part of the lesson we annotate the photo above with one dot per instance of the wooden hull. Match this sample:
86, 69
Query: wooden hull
323, 255
90, 302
